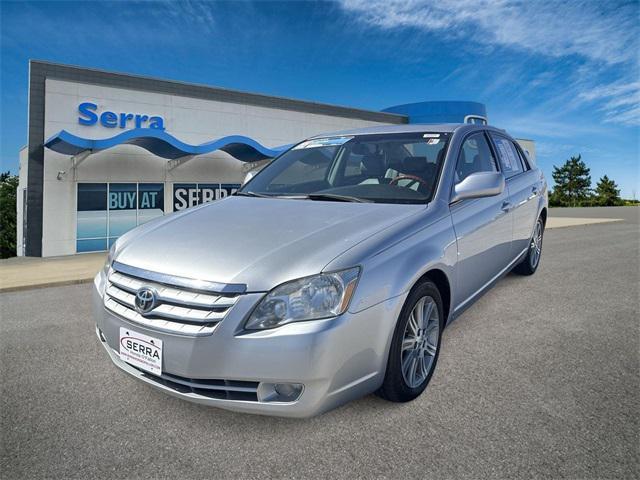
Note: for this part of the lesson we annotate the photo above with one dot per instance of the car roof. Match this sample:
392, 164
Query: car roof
406, 128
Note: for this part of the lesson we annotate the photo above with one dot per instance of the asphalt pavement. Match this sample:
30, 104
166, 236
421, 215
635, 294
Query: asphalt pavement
540, 378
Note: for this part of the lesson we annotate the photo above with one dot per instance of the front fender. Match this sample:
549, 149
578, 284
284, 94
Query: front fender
393, 270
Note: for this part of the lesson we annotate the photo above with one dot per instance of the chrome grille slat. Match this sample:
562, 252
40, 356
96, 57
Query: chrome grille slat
171, 312
158, 324
178, 310
173, 295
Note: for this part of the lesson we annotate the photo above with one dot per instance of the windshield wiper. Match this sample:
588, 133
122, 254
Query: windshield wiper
311, 196
252, 194
336, 198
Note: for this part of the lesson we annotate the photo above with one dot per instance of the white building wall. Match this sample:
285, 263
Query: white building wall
189, 119
22, 188
529, 147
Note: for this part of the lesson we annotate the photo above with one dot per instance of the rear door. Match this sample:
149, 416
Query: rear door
483, 226
523, 190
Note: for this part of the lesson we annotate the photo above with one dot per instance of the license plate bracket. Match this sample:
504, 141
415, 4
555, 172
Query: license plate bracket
140, 350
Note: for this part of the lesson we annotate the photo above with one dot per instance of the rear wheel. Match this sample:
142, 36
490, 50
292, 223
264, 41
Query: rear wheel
415, 345
530, 263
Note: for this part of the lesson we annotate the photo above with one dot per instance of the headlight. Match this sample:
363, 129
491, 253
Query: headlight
310, 298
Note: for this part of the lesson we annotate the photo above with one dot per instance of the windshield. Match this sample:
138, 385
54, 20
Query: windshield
385, 168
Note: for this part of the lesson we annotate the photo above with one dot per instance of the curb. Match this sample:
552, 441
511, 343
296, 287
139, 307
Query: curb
60, 283
598, 221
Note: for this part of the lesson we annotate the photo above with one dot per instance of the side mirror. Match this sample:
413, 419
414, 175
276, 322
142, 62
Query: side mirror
479, 184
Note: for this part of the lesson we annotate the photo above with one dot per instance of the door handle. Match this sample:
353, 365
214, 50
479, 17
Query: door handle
534, 193
507, 206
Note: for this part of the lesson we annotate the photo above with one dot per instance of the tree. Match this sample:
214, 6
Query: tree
607, 193
572, 183
8, 191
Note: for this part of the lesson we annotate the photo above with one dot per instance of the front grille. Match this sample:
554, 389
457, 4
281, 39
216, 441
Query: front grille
178, 309
218, 389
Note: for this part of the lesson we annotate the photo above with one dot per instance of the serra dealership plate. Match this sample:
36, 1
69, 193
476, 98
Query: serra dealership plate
141, 350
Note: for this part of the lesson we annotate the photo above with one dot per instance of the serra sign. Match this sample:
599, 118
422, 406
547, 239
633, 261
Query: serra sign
90, 116
186, 195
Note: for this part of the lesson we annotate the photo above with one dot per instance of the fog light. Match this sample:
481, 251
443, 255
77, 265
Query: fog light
279, 392
288, 392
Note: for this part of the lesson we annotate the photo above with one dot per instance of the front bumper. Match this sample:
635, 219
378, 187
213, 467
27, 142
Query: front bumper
336, 359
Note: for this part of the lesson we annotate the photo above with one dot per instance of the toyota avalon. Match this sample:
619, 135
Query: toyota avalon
329, 275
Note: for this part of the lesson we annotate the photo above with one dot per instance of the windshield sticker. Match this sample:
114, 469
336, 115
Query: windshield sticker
323, 142
431, 135
433, 141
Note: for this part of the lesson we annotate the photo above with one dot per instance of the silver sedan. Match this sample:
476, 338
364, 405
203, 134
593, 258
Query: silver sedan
329, 275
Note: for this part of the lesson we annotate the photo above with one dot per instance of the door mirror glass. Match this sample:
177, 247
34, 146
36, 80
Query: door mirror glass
479, 184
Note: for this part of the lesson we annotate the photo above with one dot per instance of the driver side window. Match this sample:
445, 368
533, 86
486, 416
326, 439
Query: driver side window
475, 156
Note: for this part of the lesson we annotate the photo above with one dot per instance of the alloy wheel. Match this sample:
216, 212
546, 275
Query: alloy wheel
536, 245
420, 342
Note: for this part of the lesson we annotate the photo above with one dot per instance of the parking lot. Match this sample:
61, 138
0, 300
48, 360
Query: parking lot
540, 378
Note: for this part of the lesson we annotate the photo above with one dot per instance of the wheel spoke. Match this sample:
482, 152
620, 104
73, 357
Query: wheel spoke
419, 312
407, 363
408, 343
426, 364
412, 370
429, 307
417, 376
430, 348
413, 324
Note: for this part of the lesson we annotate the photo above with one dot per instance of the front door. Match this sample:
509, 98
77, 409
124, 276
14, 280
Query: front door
483, 226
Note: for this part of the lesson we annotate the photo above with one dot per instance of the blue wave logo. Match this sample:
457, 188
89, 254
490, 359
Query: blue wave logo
165, 145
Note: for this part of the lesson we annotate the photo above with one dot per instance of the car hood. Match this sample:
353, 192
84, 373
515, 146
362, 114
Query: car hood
259, 242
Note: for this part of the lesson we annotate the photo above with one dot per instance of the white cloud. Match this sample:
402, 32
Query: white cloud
629, 116
600, 35
619, 101
593, 30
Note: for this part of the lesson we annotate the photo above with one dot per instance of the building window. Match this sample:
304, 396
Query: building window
150, 201
91, 233
107, 210
187, 195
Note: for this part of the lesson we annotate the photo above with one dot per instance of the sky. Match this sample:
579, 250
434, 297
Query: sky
563, 73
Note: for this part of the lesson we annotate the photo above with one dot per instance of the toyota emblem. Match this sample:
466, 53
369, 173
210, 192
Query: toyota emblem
146, 299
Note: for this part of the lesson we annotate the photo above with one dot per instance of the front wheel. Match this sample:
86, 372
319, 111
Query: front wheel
415, 345
529, 265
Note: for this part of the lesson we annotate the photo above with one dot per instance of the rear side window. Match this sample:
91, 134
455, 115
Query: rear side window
508, 155
523, 158
475, 156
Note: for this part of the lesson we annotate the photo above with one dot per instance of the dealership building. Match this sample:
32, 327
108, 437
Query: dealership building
109, 151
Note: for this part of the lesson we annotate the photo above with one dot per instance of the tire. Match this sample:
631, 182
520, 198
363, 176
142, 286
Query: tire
397, 385
529, 265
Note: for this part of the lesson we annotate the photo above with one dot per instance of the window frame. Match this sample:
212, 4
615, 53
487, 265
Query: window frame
523, 166
496, 161
523, 156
